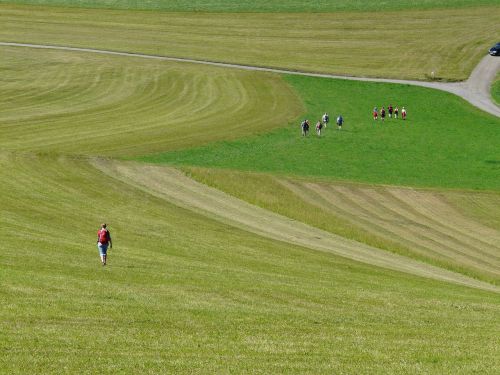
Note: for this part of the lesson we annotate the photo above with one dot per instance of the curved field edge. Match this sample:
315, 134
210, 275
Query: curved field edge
182, 291
81, 103
257, 5
444, 143
413, 45
356, 212
175, 187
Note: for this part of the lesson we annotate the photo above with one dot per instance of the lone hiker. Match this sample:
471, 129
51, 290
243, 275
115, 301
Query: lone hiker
103, 240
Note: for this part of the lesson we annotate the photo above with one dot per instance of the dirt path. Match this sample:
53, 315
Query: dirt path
170, 184
476, 90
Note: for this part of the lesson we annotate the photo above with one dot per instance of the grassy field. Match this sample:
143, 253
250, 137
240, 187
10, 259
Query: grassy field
495, 90
414, 223
259, 5
187, 290
185, 294
92, 104
450, 145
405, 44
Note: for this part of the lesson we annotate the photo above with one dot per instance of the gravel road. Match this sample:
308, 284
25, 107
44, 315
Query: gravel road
476, 90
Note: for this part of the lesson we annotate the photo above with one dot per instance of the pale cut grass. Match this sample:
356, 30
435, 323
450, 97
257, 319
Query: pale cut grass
417, 223
91, 104
185, 294
405, 44
482, 206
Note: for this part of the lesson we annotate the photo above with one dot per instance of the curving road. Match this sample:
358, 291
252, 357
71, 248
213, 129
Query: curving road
476, 90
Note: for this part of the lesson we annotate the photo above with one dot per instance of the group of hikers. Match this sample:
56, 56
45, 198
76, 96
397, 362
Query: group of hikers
322, 123
392, 111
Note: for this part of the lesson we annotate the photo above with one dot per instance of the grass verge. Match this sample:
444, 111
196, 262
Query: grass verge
495, 90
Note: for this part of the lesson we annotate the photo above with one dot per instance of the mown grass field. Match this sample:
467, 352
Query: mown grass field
185, 291
406, 44
453, 230
185, 294
259, 5
90, 104
445, 142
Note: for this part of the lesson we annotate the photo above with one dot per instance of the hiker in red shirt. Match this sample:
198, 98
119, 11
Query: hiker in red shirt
103, 241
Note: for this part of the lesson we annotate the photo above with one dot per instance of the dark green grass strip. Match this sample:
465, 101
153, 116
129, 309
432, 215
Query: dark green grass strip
259, 5
444, 142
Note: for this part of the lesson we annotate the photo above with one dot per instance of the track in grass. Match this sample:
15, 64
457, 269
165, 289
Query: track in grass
171, 185
183, 291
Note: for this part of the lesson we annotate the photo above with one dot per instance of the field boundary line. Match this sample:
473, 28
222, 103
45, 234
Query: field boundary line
476, 90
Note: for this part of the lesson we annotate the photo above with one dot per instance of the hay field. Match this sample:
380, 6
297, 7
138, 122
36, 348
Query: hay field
85, 104
197, 282
408, 44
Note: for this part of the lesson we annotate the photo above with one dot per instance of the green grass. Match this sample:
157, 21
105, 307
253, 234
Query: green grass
82, 103
410, 44
275, 194
444, 143
185, 294
259, 5
495, 90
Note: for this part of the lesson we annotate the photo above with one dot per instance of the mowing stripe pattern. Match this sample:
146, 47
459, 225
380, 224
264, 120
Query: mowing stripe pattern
170, 184
421, 220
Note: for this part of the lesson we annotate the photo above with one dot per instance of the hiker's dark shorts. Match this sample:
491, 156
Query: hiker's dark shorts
102, 248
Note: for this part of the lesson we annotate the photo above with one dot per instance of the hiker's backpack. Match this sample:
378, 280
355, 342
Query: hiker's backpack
103, 237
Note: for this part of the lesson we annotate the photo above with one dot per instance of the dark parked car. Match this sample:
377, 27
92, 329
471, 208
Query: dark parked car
495, 50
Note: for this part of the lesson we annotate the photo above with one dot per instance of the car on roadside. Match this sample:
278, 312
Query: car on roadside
495, 50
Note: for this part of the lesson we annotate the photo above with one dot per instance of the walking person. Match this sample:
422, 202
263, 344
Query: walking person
396, 112
325, 119
103, 241
305, 127
340, 121
382, 114
403, 113
319, 126
390, 109
375, 113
